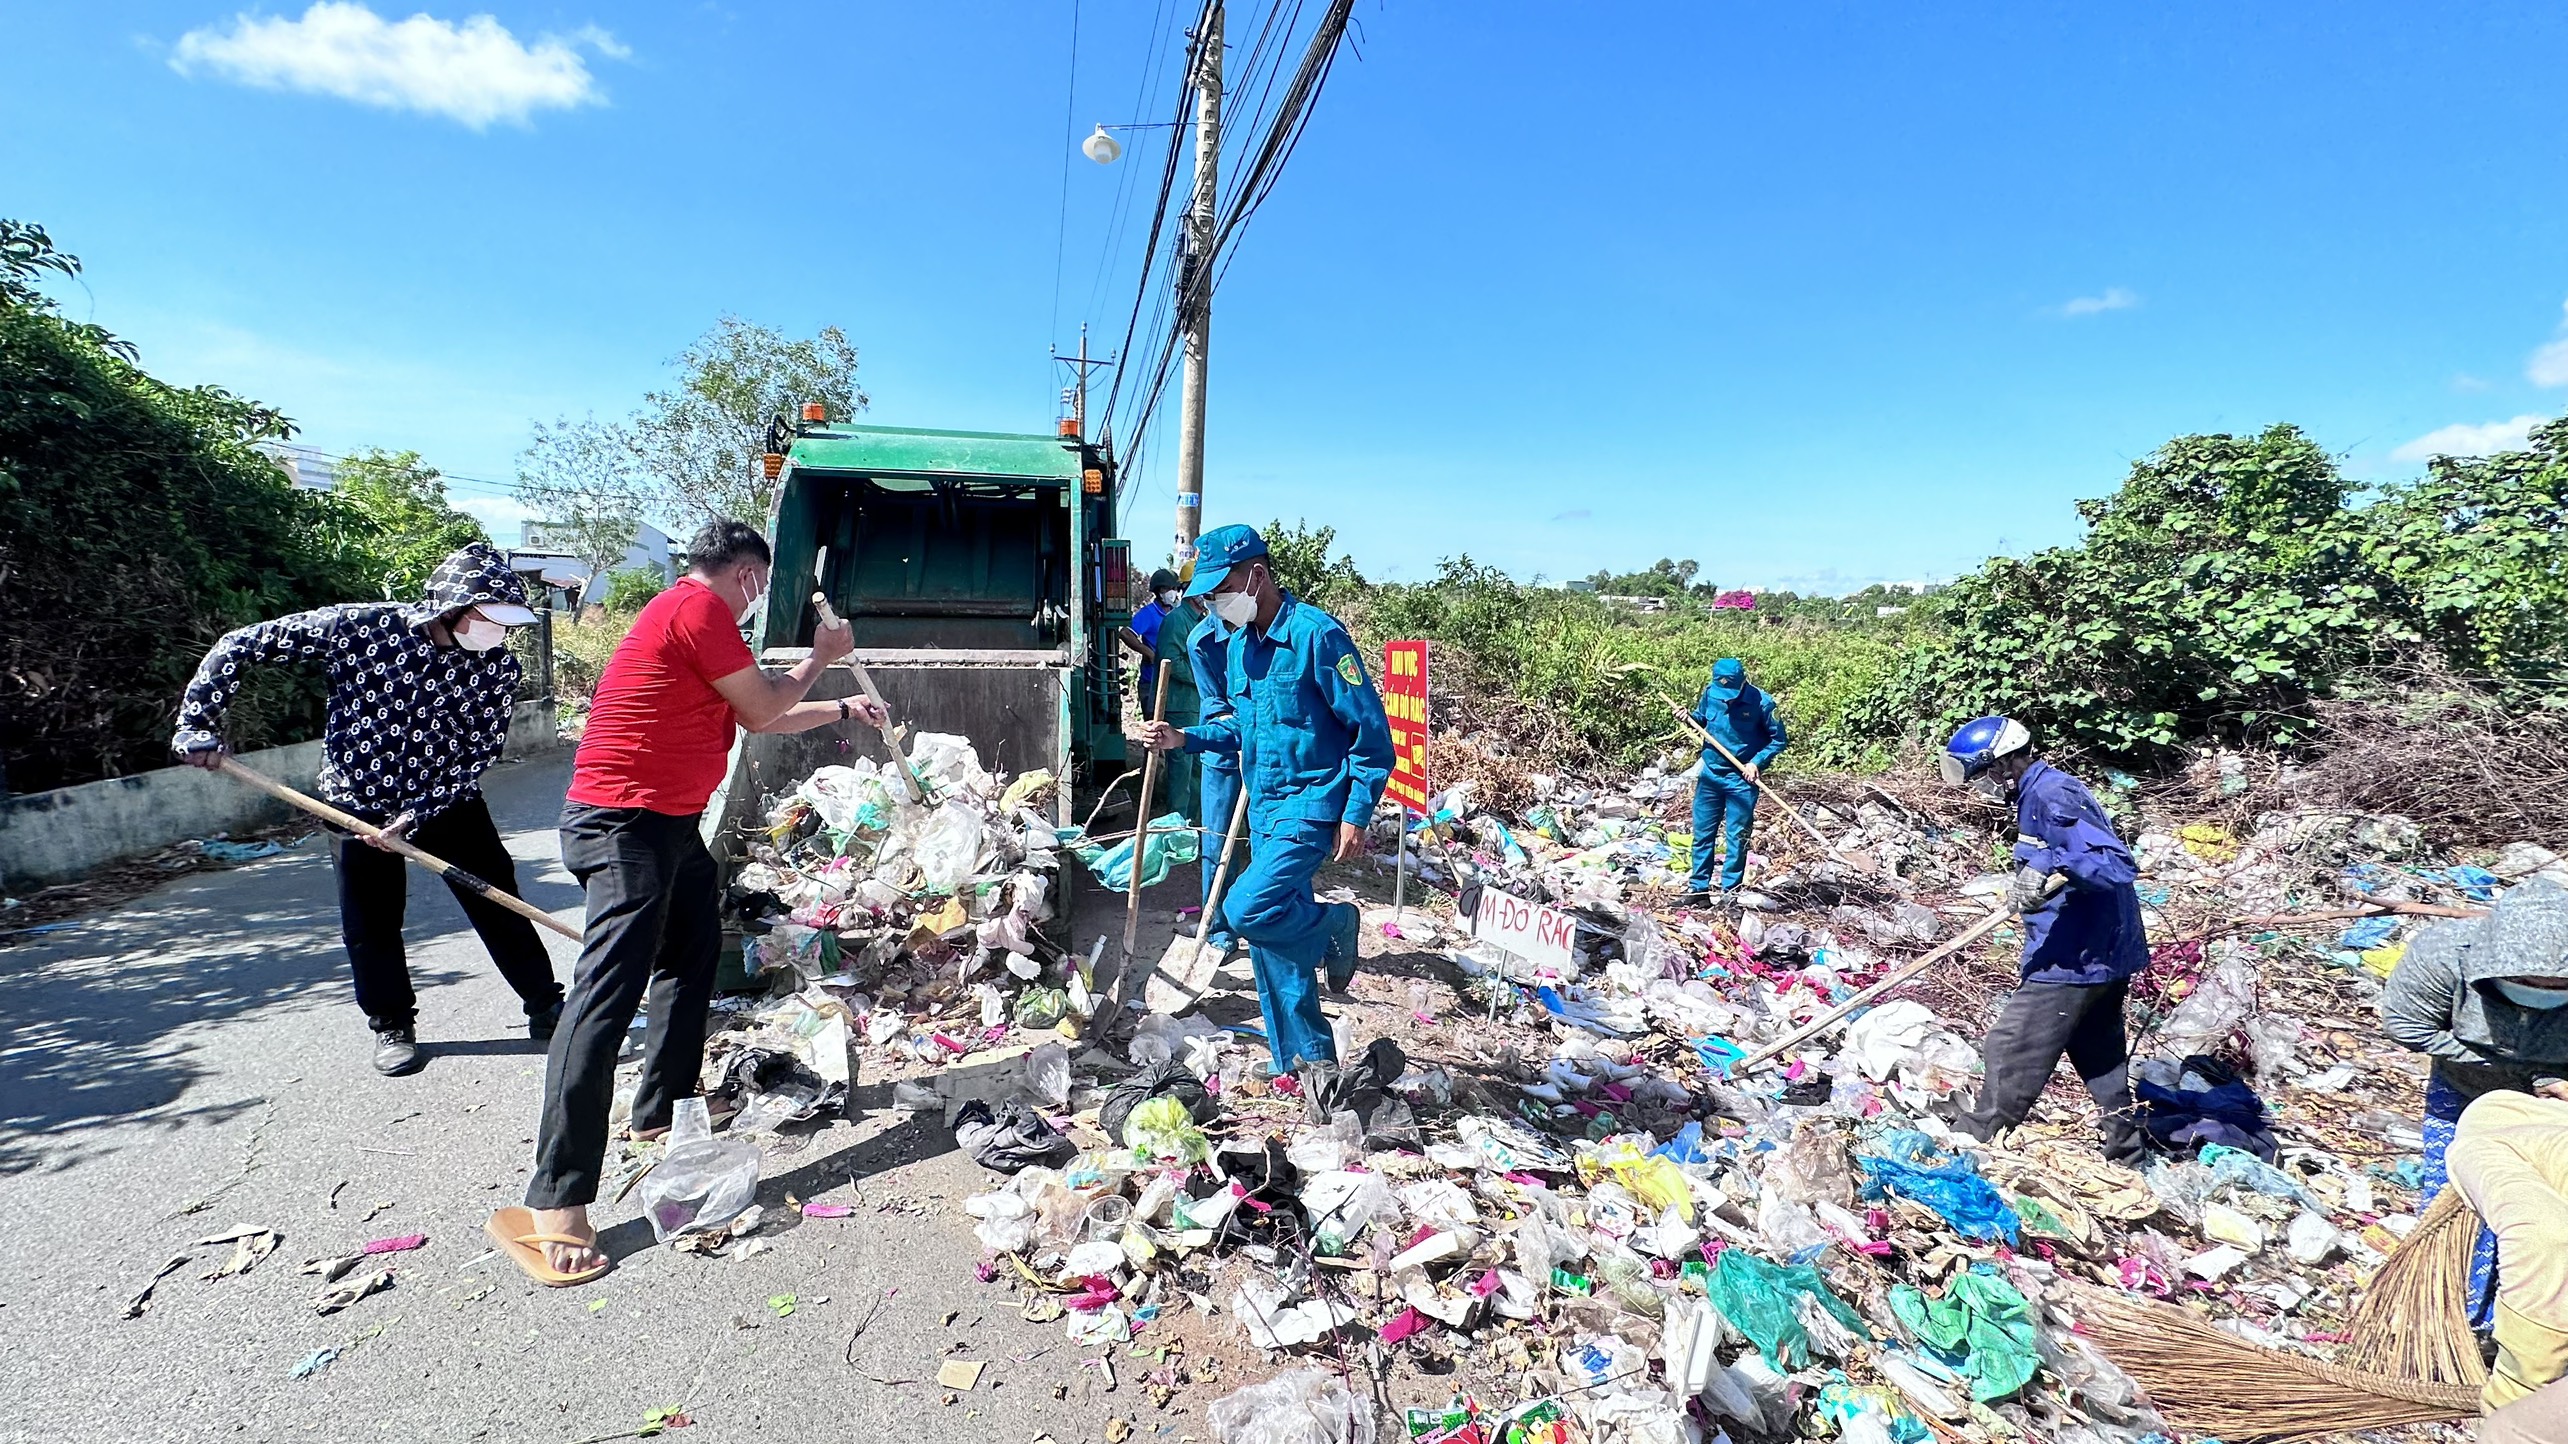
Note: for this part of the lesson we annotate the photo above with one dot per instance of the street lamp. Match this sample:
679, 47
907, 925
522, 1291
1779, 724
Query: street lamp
1101, 147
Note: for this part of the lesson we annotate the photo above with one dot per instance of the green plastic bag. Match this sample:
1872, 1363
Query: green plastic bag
1164, 1130
1760, 1300
1981, 1327
1173, 840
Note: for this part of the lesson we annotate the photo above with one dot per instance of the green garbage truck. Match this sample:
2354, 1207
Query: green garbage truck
984, 581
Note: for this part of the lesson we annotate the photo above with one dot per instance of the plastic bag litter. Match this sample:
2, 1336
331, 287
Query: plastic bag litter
1341, 1204
1657, 1183
1173, 840
1160, 1038
1274, 1324
850, 798
1163, 1129
2215, 1008
1911, 1168
1761, 1301
701, 1182
1879, 1039
1981, 1327
1300, 1406
1689, 1334
947, 764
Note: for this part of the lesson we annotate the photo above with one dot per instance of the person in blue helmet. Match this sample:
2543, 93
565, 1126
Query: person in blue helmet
2083, 940
1314, 750
1742, 719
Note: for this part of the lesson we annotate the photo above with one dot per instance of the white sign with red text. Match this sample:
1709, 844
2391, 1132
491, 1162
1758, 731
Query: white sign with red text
1540, 935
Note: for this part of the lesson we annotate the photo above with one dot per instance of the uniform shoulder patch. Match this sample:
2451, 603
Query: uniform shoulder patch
1350, 670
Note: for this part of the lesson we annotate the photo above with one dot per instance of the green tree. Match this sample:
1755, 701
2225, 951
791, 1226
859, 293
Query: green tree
1299, 555
401, 503
138, 522
628, 591
2475, 554
699, 440
586, 481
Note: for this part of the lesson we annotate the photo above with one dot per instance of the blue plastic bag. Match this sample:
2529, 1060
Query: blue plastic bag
1911, 1168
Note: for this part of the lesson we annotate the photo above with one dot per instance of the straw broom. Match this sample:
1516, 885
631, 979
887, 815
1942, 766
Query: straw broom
2413, 1321
2207, 1380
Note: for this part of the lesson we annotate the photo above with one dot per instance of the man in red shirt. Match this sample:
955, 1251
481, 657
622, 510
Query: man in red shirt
658, 739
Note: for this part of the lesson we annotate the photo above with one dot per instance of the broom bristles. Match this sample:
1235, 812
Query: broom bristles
2208, 1380
2413, 1321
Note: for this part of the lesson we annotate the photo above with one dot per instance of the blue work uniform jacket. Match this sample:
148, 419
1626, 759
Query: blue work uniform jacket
1303, 718
1145, 625
2089, 931
1208, 659
1746, 724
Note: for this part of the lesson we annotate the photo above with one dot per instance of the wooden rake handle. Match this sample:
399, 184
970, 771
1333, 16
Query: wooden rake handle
1708, 740
369, 831
865, 683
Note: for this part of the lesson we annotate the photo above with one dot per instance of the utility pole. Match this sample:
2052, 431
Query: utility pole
1195, 282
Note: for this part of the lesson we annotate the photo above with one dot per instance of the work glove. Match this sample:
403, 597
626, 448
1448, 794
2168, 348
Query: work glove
2026, 892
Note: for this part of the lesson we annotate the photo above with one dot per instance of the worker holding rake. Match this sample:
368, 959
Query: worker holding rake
420, 698
1744, 734
2083, 939
1314, 749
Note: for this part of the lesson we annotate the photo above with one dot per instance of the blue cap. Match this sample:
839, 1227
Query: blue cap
1728, 676
1220, 549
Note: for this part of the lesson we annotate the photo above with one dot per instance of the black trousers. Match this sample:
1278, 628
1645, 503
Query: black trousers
2040, 1022
654, 922
374, 892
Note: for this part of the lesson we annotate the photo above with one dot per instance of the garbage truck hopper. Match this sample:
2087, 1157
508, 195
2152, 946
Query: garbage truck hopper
980, 575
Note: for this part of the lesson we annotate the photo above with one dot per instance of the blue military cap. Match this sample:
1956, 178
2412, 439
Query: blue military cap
1220, 549
1729, 675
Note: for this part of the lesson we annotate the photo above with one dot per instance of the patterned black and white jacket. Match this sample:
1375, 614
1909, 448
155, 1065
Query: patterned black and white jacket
412, 725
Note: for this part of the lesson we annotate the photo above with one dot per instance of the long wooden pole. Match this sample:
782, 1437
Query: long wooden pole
1222, 869
369, 831
1708, 740
1824, 1021
865, 684
1141, 832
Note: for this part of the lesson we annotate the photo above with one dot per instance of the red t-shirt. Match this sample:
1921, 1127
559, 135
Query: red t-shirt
658, 735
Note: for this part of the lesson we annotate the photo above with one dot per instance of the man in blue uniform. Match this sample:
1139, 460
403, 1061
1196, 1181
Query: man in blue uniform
1196, 645
2082, 938
1314, 751
1142, 637
1742, 719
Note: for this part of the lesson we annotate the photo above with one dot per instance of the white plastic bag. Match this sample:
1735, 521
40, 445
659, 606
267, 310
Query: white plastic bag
1302, 1406
702, 1182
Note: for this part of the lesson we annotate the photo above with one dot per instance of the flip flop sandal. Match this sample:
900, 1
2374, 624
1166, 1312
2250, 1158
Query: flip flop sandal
513, 1229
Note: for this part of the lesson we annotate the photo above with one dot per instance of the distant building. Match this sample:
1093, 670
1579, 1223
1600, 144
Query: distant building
307, 468
568, 583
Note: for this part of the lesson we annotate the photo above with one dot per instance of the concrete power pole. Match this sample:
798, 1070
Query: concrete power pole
1195, 283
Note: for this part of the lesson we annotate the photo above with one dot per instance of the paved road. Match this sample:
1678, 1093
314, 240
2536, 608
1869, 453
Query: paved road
191, 1063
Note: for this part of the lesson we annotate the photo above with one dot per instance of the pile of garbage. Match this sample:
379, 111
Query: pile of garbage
1579, 1206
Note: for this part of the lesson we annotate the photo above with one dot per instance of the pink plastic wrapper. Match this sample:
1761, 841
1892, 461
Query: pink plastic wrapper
403, 1244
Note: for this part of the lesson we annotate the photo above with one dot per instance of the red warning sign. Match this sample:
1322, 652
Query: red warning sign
1404, 698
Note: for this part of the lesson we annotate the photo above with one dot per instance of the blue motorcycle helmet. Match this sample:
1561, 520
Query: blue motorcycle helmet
1979, 746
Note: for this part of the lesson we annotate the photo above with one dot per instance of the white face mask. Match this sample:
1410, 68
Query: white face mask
1168, 599
480, 634
2543, 999
1236, 609
756, 603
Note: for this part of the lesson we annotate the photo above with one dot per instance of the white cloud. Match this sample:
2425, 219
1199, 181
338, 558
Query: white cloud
2115, 298
502, 516
2461, 439
471, 71
2549, 365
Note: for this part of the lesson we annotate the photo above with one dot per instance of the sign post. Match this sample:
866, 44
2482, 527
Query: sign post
1404, 701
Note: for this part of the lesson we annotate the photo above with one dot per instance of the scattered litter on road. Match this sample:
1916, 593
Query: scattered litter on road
141, 1302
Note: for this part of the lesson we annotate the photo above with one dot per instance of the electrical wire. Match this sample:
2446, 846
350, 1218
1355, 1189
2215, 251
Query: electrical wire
1069, 146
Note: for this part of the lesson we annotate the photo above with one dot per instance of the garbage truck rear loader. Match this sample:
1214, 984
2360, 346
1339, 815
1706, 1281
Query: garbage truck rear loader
984, 584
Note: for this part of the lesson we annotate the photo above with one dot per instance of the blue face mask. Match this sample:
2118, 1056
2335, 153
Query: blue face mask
2544, 999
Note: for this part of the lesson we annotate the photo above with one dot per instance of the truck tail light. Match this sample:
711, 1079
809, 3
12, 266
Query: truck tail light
1093, 482
1114, 566
815, 412
773, 463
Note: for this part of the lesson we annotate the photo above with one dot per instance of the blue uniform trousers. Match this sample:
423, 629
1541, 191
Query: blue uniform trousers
2443, 1105
1723, 797
1219, 793
1270, 905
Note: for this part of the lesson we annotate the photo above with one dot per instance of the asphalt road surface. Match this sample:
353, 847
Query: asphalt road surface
191, 1064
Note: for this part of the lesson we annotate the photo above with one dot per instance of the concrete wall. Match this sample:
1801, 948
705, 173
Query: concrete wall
50, 837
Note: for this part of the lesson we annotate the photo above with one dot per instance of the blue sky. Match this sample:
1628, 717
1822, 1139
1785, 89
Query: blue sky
1816, 294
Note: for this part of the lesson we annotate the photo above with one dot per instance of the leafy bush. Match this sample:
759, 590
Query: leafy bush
2232, 581
630, 590
138, 522
408, 524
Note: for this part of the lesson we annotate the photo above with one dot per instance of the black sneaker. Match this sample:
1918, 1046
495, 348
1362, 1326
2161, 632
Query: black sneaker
396, 1052
540, 1026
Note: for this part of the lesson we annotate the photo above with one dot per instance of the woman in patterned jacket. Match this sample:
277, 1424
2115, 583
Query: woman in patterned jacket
420, 697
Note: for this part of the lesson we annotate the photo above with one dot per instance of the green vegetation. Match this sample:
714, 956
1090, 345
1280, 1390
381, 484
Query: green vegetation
2230, 585
138, 522
628, 591
401, 506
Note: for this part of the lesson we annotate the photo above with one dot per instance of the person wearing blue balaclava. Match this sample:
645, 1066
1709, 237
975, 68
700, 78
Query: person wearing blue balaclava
1743, 720
1298, 710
